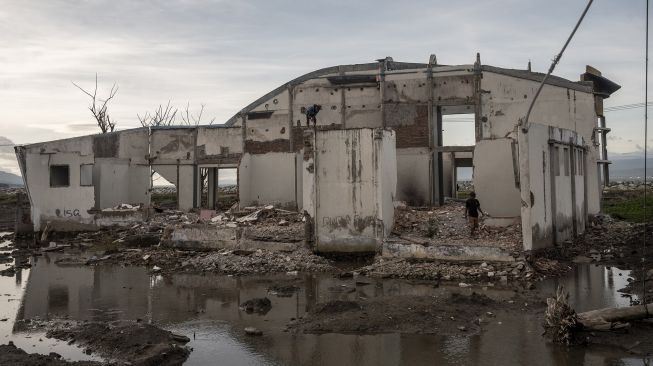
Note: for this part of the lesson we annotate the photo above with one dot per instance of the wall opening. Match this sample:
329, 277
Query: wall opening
218, 187
164, 193
86, 175
458, 129
227, 187
464, 182
59, 176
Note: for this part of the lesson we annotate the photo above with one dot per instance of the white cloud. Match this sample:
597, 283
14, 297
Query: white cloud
227, 53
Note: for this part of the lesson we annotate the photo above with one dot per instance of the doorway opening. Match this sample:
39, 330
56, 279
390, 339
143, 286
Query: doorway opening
458, 129
217, 187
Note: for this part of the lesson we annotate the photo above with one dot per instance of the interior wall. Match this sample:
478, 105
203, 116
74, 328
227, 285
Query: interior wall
413, 167
268, 179
494, 178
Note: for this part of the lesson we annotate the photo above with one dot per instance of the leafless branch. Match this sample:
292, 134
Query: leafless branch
162, 116
189, 119
98, 106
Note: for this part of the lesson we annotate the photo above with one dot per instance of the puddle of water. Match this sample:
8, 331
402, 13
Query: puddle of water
206, 309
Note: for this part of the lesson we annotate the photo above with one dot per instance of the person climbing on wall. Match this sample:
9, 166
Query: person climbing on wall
311, 114
472, 209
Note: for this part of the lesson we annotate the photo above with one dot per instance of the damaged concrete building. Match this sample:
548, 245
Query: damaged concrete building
380, 138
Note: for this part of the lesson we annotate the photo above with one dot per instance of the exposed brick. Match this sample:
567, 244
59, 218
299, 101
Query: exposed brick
262, 147
416, 134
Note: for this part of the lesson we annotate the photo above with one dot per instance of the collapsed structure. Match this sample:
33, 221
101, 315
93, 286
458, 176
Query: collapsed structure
380, 138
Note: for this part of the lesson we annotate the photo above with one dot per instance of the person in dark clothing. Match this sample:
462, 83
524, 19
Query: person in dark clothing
472, 208
311, 114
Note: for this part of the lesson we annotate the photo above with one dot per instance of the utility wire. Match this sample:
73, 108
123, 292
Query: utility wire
626, 107
556, 59
645, 163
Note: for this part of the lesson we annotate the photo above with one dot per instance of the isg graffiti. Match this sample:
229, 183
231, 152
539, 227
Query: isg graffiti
67, 212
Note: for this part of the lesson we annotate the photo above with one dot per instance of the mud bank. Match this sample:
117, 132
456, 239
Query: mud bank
453, 314
125, 342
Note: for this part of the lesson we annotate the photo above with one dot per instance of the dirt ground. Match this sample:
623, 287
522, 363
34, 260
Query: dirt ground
137, 343
444, 315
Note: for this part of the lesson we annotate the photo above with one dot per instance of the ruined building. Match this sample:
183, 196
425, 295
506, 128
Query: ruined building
381, 137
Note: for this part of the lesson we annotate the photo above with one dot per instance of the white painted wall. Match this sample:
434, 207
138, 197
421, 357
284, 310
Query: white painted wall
267, 179
64, 204
212, 139
494, 178
353, 182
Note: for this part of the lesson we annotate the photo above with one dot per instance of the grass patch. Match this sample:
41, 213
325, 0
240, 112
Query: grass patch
166, 200
628, 205
8, 199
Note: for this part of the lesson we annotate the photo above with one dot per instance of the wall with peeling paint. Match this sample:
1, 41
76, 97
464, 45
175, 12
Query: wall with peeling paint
350, 176
553, 205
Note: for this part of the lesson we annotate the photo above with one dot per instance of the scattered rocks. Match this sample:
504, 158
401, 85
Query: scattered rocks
252, 331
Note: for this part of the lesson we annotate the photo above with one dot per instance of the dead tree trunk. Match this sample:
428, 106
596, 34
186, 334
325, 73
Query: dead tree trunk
614, 318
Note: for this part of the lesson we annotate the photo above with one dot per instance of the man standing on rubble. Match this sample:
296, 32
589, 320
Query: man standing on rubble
472, 208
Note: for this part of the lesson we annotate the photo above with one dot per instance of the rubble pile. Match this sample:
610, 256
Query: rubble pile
626, 185
265, 223
520, 270
260, 261
447, 225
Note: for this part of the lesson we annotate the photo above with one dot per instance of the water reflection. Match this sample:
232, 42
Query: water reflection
206, 309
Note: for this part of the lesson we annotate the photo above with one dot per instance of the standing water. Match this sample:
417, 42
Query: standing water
206, 309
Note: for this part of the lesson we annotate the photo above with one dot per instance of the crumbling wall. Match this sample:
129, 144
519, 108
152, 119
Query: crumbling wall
505, 99
552, 192
217, 143
70, 204
350, 176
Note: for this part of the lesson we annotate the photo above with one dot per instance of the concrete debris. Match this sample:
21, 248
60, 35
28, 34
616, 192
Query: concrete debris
252, 331
123, 207
446, 225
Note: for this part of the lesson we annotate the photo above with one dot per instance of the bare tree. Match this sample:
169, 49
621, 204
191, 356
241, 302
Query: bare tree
98, 107
189, 119
162, 116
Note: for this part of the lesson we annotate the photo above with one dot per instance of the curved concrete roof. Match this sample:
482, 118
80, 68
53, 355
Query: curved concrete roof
395, 65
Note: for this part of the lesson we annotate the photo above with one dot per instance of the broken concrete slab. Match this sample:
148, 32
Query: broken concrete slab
445, 252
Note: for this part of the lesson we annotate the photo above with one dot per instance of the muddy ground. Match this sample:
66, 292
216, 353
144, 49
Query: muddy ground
607, 241
119, 342
444, 315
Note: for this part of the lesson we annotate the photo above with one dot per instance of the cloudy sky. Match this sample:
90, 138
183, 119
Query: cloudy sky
225, 54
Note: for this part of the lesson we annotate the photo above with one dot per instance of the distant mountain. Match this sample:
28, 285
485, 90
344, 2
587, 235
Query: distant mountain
10, 179
630, 165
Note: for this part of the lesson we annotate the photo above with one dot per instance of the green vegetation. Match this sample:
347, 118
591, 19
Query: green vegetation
8, 199
464, 194
628, 204
169, 200
165, 200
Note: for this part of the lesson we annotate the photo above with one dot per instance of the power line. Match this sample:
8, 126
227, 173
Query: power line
627, 106
645, 162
